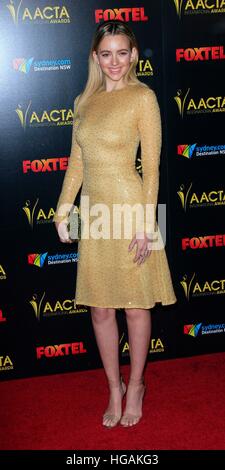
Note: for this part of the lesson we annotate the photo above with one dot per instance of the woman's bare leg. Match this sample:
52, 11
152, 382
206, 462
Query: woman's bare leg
107, 336
139, 332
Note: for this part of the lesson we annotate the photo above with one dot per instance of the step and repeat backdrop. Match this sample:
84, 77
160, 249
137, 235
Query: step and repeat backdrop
43, 66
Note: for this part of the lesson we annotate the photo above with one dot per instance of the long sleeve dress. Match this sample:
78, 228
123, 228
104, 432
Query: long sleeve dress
105, 140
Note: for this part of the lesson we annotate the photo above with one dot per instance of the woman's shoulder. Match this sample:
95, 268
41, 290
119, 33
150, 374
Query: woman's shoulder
146, 98
144, 94
142, 89
76, 99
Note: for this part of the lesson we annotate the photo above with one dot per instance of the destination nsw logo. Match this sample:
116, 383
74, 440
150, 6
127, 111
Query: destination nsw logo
38, 259
195, 150
199, 329
45, 65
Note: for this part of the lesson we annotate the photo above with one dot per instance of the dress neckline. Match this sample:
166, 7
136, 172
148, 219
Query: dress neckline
116, 89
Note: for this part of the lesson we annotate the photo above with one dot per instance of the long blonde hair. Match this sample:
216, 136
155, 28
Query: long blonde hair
96, 81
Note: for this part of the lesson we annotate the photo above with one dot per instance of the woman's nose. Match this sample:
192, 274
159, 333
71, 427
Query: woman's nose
114, 60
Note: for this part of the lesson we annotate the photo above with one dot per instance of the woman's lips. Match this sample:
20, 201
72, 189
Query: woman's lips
114, 70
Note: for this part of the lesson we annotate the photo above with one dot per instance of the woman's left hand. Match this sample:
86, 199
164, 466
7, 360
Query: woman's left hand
143, 247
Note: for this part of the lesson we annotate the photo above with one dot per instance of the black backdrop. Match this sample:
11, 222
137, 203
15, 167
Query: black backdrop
44, 51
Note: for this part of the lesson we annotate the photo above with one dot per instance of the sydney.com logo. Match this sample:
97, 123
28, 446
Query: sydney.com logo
198, 329
39, 14
195, 150
48, 65
38, 259
52, 117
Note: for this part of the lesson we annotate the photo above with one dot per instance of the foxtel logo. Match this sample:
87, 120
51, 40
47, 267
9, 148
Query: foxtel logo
45, 165
207, 241
60, 350
200, 53
122, 14
2, 319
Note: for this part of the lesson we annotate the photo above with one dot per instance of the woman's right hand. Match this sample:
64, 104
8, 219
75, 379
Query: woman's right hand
62, 229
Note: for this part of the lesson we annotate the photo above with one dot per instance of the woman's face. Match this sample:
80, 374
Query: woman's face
114, 56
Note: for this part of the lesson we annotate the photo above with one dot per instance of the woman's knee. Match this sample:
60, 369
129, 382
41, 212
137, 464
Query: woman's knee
100, 314
136, 313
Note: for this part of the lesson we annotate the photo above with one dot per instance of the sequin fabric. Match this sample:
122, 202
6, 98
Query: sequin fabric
105, 140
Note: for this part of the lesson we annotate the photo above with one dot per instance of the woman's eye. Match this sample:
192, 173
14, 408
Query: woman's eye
105, 55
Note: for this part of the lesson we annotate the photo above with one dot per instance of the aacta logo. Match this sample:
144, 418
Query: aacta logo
181, 99
54, 117
2, 273
47, 308
156, 345
193, 287
144, 68
2, 319
60, 350
45, 165
211, 104
40, 216
123, 14
201, 199
207, 241
200, 54
199, 6
5, 363
47, 14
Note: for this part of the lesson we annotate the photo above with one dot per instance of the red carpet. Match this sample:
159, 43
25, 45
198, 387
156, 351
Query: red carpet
184, 408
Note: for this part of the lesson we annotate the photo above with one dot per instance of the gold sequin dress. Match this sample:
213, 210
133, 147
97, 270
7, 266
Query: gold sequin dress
105, 140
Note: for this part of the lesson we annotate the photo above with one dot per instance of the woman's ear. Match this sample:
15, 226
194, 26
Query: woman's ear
134, 54
95, 57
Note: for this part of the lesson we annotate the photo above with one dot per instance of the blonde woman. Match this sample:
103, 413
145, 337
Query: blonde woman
114, 113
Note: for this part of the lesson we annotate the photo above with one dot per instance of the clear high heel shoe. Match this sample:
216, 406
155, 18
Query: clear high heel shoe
110, 420
130, 419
